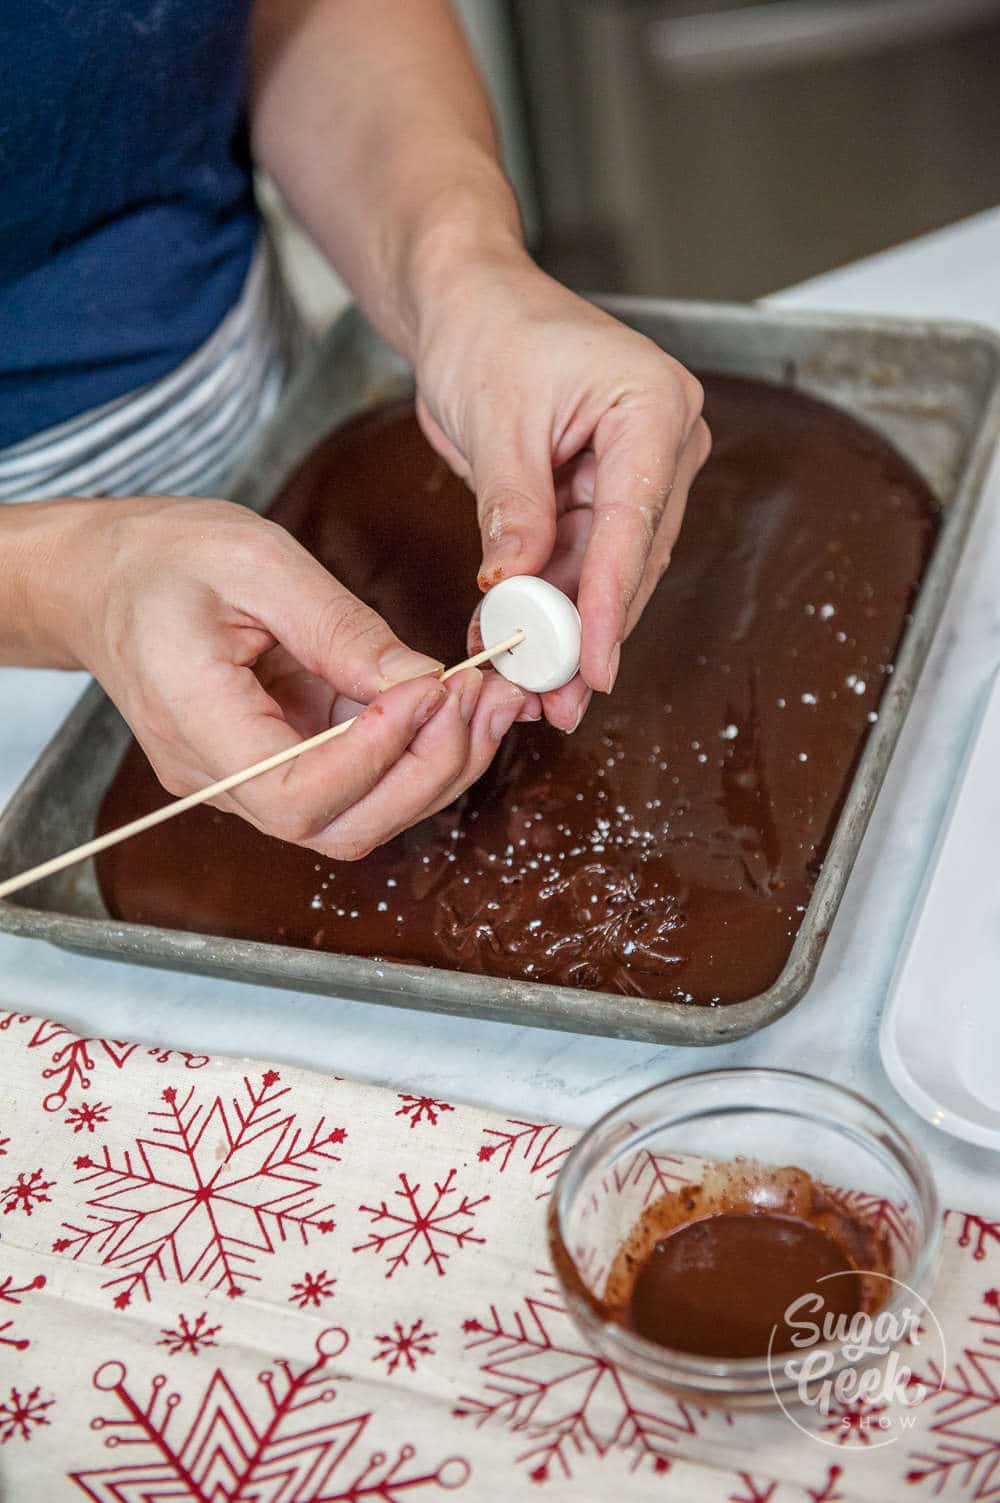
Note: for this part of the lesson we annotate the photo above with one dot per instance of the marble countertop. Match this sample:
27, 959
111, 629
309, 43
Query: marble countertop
542, 1075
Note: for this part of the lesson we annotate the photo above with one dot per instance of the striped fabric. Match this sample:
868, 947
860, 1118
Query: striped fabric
184, 434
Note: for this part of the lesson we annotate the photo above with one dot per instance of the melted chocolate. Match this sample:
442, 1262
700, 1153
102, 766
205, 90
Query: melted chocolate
721, 1286
713, 1267
670, 846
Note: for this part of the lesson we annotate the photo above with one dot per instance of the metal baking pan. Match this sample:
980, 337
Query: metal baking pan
932, 389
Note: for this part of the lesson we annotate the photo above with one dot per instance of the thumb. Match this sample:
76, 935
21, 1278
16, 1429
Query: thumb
324, 626
516, 505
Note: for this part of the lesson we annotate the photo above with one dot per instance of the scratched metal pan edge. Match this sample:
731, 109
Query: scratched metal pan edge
933, 388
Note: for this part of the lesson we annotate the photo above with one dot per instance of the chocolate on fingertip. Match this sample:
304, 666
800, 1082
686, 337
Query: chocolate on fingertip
500, 560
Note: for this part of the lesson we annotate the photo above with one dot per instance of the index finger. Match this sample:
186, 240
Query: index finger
637, 445
241, 725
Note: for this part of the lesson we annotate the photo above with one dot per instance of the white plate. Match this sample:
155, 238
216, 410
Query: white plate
940, 1035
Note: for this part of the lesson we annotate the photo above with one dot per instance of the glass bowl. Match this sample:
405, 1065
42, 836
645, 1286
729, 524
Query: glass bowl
768, 1128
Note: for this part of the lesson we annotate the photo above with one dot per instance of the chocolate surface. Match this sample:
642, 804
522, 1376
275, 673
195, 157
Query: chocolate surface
713, 1267
670, 846
721, 1286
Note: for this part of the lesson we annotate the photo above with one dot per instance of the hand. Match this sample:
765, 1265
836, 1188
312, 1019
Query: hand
580, 439
222, 641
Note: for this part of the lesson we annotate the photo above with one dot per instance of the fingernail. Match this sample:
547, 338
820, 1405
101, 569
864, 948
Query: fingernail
580, 714
399, 664
613, 664
430, 704
500, 560
469, 696
503, 717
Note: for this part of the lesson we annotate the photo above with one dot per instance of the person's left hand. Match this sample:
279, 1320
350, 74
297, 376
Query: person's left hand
580, 439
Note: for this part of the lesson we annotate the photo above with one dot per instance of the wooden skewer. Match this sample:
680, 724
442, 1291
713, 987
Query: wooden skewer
205, 795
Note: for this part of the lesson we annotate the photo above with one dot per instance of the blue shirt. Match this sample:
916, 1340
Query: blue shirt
127, 218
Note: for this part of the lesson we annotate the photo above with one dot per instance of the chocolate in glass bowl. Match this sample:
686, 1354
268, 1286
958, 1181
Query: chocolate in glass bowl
714, 1267
776, 1149
669, 847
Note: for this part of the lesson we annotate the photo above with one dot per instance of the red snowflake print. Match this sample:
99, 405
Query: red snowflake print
564, 1400
892, 1216
539, 1145
191, 1061
643, 1174
752, 1491
766, 1491
966, 1416
216, 1447
405, 1344
656, 1174
21, 1413
86, 1118
214, 1185
26, 1193
189, 1336
976, 1232
827, 1493
313, 1289
421, 1109
12, 1294
856, 1424
72, 1059
445, 1223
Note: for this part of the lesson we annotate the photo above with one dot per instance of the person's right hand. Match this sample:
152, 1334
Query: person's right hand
222, 641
